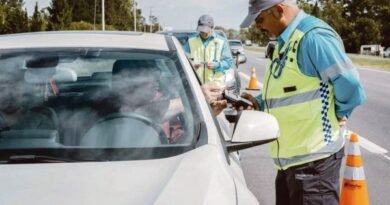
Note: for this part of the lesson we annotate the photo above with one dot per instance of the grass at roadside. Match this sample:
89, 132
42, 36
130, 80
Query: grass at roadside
255, 48
377, 63
374, 63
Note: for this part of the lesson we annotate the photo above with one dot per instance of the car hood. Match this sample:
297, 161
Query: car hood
196, 177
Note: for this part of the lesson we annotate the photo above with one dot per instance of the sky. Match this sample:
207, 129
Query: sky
184, 14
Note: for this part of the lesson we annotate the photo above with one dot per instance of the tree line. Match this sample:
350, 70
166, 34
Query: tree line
72, 15
358, 22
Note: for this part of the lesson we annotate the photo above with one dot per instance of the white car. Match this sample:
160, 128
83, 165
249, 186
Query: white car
248, 42
386, 53
114, 118
238, 51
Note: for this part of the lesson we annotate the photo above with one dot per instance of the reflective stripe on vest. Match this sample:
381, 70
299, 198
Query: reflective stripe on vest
200, 53
303, 105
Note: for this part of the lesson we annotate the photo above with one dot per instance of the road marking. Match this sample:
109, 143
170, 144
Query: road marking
372, 147
246, 77
378, 71
261, 59
254, 52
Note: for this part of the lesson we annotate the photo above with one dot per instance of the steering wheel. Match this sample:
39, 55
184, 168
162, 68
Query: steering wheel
149, 122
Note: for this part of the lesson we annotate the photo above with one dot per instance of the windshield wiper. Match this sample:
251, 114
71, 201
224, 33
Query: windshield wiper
20, 159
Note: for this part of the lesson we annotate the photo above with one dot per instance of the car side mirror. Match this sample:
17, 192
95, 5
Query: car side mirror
235, 52
252, 129
241, 59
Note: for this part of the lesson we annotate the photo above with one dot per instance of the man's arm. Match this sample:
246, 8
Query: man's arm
186, 48
321, 54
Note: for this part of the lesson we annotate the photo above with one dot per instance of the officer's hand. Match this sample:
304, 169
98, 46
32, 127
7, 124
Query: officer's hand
211, 65
252, 99
342, 121
212, 91
196, 65
218, 106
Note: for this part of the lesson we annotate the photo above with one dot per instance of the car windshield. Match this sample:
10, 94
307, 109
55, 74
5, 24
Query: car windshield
235, 43
95, 104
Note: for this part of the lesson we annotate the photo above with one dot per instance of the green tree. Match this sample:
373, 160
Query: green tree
81, 25
83, 10
119, 15
369, 31
255, 35
357, 22
367, 21
140, 20
13, 17
333, 14
381, 11
307, 7
60, 15
37, 22
233, 34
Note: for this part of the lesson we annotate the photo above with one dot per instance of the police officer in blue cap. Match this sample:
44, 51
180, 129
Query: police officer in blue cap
311, 87
209, 52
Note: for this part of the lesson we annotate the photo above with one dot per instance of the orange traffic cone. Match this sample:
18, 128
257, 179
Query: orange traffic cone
354, 188
253, 81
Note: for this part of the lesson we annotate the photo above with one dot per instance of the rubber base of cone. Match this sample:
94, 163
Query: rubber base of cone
252, 88
354, 192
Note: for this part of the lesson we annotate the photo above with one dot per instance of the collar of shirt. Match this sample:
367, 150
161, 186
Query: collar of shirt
283, 38
207, 41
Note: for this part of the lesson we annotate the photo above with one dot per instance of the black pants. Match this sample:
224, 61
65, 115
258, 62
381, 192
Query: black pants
313, 183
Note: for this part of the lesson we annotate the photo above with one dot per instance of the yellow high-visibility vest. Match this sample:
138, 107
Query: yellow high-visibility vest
200, 53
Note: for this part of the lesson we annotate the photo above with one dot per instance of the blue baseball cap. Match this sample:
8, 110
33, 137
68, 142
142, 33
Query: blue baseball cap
255, 8
205, 24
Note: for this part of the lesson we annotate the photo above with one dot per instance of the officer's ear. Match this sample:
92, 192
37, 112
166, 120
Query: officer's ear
278, 11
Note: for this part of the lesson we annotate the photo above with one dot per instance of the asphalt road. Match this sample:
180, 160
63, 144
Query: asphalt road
371, 121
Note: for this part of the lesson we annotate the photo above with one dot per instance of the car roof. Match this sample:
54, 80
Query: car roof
191, 32
234, 40
90, 39
177, 31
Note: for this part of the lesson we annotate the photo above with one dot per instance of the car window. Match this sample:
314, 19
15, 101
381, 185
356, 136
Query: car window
183, 37
235, 43
84, 102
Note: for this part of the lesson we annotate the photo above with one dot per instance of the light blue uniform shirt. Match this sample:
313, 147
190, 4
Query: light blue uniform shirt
321, 54
226, 58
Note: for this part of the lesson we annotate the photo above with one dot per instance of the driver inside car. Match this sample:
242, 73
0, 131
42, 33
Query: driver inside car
136, 91
140, 92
